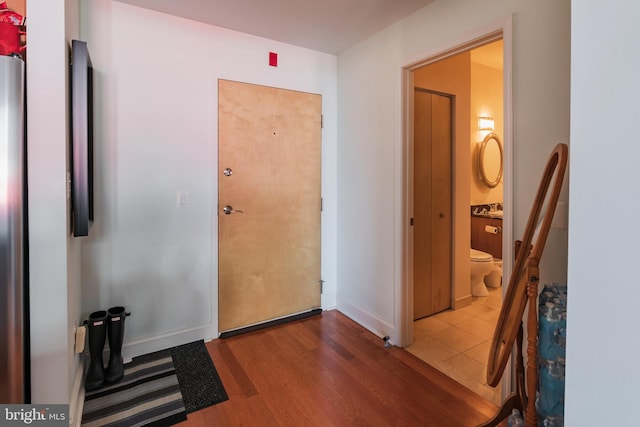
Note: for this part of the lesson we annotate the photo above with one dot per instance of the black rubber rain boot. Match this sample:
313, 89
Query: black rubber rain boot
97, 329
115, 332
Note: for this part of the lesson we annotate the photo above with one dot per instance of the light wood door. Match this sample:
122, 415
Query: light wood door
432, 195
269, 247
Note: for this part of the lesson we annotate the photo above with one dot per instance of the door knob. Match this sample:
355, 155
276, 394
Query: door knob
228, 210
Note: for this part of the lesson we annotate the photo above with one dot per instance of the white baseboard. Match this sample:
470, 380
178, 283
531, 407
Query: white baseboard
328, 301
367, 320
148, 345
76, 400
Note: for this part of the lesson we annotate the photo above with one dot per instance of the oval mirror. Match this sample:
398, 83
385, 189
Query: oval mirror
490, 160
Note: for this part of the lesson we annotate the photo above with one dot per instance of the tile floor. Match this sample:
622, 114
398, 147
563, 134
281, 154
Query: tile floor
457, 342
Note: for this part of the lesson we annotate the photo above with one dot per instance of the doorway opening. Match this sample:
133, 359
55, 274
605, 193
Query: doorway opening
441, 340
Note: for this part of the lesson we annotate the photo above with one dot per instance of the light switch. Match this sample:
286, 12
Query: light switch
182, 199
80, 338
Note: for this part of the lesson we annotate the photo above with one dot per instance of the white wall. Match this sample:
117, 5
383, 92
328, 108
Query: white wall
486, 100
370, 137
603, 381
156, 134
54, 256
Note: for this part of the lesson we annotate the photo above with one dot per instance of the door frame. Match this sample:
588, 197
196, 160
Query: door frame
404, 292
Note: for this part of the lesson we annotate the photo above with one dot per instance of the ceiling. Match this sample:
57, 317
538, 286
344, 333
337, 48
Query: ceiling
330, 26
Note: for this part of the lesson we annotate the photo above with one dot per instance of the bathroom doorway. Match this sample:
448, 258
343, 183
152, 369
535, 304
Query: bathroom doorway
457, 340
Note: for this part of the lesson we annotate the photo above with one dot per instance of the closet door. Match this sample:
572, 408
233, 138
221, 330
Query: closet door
432, 196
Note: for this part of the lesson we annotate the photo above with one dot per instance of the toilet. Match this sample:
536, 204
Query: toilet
494, 278
481, 265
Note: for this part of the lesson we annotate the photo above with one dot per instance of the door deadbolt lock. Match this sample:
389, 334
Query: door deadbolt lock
227, 172
228, 210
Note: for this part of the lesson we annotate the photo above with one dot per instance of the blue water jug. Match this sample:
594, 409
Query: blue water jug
548, 321
551, 396
515, 419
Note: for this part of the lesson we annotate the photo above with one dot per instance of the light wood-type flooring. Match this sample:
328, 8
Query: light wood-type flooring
457, 342
329, 371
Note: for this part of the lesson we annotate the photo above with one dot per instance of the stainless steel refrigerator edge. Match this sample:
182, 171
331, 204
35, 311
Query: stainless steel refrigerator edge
13, 294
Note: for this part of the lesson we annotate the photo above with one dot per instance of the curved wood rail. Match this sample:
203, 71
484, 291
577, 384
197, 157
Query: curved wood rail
522, 290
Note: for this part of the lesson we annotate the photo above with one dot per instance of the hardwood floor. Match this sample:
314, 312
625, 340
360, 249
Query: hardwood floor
329, 371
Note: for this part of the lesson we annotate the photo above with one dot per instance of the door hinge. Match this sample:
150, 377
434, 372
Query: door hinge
411, 222
321, 121
321, 204
321, 282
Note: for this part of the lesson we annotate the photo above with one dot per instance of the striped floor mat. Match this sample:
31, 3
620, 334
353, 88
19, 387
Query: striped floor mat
149, 394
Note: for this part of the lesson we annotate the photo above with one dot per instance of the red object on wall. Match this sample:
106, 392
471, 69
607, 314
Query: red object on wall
273, 59
10, 39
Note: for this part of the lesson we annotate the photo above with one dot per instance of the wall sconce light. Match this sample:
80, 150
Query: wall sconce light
485, 123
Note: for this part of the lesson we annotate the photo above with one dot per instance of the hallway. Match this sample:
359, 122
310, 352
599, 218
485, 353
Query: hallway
457, 342
329, 371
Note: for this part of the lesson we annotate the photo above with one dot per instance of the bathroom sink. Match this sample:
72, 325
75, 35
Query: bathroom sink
489, 214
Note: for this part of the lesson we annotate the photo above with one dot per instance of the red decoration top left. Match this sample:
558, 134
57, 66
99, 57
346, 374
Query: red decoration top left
12, 30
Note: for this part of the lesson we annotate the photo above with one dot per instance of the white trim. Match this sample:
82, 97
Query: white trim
361, 316
328, 301
507, 221
509, 149
76, 400
213, 206
502, 29
160, 342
